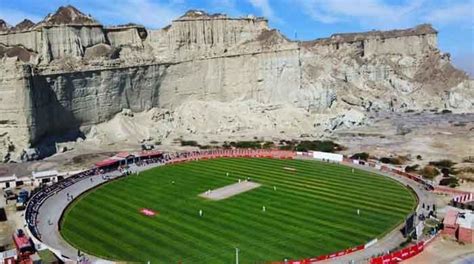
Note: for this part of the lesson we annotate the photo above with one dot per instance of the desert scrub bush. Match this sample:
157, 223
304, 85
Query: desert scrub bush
287, 147
248, 144
399, 160
445, 172
361, 156
191, 143
318, 145
429, 172
442, 163
287, 144
243, 144
413, 168
464, 173
450, 181
268, 145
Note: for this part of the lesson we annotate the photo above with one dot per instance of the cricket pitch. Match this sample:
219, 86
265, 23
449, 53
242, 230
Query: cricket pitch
230, 190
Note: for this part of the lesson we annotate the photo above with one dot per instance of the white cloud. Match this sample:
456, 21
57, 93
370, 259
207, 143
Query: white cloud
13, 16
150, 13
265, 9
386, 14
377, 13
454, 13
226, 4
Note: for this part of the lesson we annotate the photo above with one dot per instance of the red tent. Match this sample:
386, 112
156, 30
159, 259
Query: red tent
123, 155
152, 153
106, 163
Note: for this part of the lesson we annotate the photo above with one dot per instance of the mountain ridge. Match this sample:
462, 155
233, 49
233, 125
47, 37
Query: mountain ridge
237, 76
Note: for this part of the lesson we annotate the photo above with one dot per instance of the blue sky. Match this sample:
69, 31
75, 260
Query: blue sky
305, 19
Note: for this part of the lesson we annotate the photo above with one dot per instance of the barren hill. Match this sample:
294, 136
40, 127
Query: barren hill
23, 25
209, 76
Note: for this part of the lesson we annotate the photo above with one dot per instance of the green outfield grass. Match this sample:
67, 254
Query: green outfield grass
312, 212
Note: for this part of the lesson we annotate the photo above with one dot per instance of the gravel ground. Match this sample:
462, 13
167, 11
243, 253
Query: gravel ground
443, 250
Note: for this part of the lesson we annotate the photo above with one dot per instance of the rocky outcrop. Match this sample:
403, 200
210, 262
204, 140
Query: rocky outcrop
15, 108
67, 15
17, 52
198, 35
26, 24
3, 26
210, 76
66, 33
461, 98
127, 35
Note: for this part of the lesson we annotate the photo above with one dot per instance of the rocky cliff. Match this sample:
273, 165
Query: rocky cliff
207, 76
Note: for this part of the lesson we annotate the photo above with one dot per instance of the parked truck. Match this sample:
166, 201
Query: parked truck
24, 246
22, 199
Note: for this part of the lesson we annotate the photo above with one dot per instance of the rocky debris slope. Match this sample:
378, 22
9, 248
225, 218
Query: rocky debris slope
460, 98
420, 136
206, 77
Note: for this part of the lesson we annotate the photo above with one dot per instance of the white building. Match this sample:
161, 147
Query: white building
45, 177
327, 156
8, 182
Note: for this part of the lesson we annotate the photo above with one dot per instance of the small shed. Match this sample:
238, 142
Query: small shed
45, 176
8, 181
460, 225
466, 227
450, 225
24, 180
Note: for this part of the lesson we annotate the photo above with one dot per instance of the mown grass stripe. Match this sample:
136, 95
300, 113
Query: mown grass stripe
312, 213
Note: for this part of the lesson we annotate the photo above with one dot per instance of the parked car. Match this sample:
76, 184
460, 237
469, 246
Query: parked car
9, 194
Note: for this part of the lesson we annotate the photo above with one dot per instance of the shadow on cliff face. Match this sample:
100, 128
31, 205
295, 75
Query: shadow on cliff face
47, 146
59, 104
52, 120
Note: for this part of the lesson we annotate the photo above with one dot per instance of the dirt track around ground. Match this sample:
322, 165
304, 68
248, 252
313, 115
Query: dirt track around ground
444, 250
230, 190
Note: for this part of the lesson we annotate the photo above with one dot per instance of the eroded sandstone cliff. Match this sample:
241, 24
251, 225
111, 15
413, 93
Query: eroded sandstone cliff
208, 76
